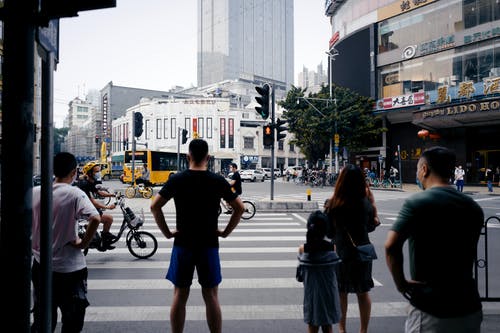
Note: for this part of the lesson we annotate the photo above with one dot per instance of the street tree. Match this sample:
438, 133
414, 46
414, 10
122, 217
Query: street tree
315, 118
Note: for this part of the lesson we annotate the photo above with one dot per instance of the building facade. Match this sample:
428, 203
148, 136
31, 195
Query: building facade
313, 80
233, 132
434, 69
240, 39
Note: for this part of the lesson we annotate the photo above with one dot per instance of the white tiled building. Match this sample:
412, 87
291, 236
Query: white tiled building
233, 133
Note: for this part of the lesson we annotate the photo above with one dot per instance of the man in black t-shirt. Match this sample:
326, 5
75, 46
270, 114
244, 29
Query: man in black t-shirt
197, 194
235, 179
235, 182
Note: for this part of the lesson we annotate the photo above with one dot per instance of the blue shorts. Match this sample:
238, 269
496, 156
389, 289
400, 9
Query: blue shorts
184, 260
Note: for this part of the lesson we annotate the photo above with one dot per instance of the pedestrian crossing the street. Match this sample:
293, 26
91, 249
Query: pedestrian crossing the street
258, 265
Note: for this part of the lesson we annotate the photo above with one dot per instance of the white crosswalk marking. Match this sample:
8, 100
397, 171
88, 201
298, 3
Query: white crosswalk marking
232, 312
266, 245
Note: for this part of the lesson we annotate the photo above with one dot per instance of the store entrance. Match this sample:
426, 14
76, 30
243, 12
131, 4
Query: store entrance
483, 159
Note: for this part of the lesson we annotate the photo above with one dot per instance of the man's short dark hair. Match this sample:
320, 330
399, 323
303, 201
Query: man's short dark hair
198, 149
441, 161
64, 163
234, 165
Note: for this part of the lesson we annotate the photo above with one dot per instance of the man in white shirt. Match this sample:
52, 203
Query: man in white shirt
69, 268
459, 178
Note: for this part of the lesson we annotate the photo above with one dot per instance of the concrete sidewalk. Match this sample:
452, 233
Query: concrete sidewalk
468, 189
288, 205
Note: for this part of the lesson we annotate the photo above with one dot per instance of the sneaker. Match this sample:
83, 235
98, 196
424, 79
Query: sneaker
109, 247
107, 235
100, 248
105, 245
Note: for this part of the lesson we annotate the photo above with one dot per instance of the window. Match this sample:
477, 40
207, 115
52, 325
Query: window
292, 147
201, 127
209, 128
158, 128
231, 133
173, 128
248, 143
187, 125
146, 129
165, 128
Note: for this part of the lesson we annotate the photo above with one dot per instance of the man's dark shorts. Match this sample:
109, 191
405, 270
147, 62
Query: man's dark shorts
183, 262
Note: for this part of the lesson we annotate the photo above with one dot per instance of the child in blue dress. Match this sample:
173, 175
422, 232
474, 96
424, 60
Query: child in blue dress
317, 261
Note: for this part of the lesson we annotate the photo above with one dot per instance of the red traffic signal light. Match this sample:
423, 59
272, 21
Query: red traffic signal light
268, 135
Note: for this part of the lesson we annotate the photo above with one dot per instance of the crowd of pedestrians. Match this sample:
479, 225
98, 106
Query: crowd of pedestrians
332, 263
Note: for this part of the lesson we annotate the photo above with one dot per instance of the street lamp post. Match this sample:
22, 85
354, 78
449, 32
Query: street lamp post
331, 57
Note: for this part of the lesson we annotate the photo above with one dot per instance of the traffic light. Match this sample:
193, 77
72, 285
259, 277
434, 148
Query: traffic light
280, 129
97, 139
137, 124
268, 135
263, 100
184, 135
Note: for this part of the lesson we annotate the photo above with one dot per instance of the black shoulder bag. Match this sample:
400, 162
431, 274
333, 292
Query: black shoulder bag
365, 252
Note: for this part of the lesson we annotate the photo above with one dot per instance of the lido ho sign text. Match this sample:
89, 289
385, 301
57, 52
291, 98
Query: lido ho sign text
461, 109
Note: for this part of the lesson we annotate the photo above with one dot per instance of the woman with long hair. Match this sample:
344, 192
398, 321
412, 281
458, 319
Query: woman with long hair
352, 214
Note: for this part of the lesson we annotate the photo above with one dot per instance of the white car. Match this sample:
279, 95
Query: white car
267, 172
252, 175
292, 170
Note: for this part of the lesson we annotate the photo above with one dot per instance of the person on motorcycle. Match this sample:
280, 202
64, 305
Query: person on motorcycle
89, 183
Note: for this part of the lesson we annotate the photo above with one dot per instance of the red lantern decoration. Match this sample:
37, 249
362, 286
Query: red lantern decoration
434, 136
423, 133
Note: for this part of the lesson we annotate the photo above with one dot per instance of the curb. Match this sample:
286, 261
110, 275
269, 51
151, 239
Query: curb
286, 206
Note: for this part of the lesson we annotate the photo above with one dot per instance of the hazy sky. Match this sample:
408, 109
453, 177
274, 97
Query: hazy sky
151, 44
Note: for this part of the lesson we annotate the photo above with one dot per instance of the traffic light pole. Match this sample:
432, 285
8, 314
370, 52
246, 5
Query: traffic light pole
273, 125
178, 149
133, 148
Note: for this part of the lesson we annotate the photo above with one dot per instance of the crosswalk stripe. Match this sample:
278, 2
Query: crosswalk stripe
233, 239
240, 230
232, 250
156, 284
230, 312
164, 264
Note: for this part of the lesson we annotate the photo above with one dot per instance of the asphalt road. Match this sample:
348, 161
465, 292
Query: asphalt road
259, 292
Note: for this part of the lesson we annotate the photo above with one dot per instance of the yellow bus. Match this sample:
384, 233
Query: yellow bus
161, 165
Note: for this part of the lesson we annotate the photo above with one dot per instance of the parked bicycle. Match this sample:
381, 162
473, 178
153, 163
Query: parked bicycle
248, 212
141, 244
133, 190
385, 183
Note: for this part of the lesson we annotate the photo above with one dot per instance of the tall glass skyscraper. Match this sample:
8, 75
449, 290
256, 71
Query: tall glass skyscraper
245, 39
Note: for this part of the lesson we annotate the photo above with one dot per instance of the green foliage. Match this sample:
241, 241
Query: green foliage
312, 120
